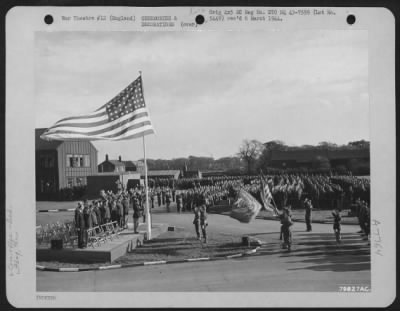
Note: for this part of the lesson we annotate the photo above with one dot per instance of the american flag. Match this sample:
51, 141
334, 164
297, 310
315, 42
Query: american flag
266, 195
123, 117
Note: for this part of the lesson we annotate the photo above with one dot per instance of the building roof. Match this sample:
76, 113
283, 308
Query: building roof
163, 173
41, 144
304, 155
297, 155
120, 163
349, 153
129, 164
115, 174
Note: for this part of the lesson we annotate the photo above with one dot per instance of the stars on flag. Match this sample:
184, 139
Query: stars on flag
126, 102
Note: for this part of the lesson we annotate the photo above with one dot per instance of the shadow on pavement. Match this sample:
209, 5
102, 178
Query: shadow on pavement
353, 254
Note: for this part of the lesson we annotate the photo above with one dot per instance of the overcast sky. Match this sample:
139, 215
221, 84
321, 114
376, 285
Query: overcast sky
207, 91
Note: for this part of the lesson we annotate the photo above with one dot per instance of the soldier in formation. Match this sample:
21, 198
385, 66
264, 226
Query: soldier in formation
200, 220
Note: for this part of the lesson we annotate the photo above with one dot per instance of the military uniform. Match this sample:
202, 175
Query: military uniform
179, 203
152, 199
107, 212
336, 224
200, 221
163, 196
87, 216
125, 204
80, 226
308, 208
93, 216
286, 223
168, 200
364, 218
159, 198
114, 212
136, 214
98, 212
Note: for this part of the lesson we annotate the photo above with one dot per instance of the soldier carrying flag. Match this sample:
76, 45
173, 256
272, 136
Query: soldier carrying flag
284, 216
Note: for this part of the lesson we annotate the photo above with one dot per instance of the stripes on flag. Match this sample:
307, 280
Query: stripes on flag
124, 117
266, 195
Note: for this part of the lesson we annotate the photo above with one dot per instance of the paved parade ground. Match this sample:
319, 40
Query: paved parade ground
316, 262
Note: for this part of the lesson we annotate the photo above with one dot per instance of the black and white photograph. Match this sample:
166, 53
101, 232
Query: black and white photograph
203, 161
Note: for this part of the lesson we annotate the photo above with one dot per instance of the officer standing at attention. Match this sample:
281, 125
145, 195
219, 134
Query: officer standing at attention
308, 208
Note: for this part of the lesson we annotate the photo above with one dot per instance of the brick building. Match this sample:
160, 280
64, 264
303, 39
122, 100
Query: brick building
116, 166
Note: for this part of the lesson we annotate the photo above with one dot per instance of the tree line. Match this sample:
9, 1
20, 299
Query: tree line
254, 156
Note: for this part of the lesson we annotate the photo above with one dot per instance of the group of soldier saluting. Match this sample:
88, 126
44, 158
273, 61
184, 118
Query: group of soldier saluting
114, 207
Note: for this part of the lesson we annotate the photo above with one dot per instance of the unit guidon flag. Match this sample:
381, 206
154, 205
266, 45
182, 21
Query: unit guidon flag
123, 117
245, 208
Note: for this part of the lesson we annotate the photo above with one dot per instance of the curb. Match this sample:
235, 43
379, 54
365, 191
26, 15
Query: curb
56, 210
149, 263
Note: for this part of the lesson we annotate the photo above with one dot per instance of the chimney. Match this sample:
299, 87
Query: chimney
106, 157
120, 159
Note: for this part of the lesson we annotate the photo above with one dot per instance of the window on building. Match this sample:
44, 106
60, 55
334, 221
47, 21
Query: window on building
78, 160
69, 156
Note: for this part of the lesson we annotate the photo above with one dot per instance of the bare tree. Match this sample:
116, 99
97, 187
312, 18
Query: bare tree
250, 151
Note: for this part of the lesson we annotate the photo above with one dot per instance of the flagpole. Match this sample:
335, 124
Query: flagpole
146, 185
147, 211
